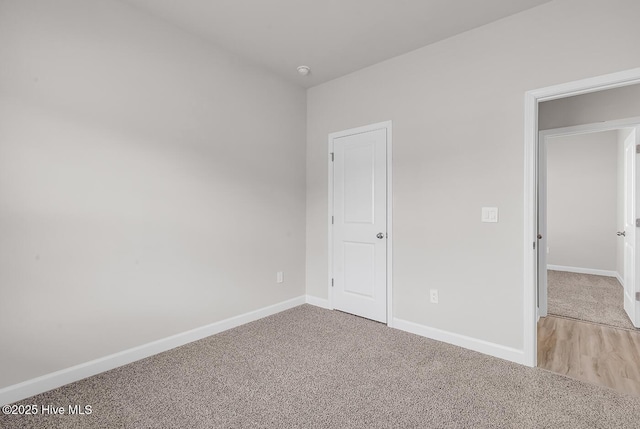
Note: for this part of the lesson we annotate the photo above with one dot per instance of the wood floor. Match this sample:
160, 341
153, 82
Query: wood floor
590, 352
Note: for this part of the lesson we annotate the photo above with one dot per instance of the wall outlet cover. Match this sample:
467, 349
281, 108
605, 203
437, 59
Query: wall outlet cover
490, 214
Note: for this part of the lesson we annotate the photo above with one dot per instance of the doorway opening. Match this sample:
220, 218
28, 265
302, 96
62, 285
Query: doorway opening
530, 241
584, 220
584, 239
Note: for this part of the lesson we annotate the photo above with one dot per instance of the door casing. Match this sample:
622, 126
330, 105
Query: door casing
387, 125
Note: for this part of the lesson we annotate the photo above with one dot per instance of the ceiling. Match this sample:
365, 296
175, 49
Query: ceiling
333, 37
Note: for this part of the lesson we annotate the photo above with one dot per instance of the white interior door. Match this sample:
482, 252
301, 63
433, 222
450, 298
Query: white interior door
360, 224
631, 304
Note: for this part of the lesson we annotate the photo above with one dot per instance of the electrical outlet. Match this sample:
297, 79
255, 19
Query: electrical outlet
280, 277
433, 295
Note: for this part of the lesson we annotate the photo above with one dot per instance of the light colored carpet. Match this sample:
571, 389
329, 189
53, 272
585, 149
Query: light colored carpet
314, 368
587, 297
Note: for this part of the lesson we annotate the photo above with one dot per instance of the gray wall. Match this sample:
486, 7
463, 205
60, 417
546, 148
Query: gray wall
617, 103
457, 112
582, 200
149, 184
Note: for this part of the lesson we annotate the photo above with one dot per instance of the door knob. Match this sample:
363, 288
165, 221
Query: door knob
380, 235
621, 233
539, 236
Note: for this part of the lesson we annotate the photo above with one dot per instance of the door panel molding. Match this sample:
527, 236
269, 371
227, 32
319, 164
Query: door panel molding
387, 125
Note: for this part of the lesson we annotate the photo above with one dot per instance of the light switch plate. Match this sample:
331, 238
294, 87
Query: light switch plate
489, 214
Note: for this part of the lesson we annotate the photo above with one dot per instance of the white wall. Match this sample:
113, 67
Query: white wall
600, 106
458, 124
149, 184
582, 194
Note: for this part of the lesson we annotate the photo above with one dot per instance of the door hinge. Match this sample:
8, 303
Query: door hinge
638, 223
332, 157
331, 220
331, 282
534, 245
638, 148
637, 296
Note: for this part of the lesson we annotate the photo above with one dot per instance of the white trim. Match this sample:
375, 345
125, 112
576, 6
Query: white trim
530, 292
542, 256
531, 100
56, 379
387, 125
486, 347
580, 270
620, 279
594, 127
330, 222
390, 319
318, 302
585, 86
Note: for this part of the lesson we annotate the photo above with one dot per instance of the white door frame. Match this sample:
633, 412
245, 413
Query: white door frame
531, 100
595, 127
373, 127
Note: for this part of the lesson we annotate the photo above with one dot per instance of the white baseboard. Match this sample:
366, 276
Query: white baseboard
318, 302
486, 347
56, 379
580, 270
620, 279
